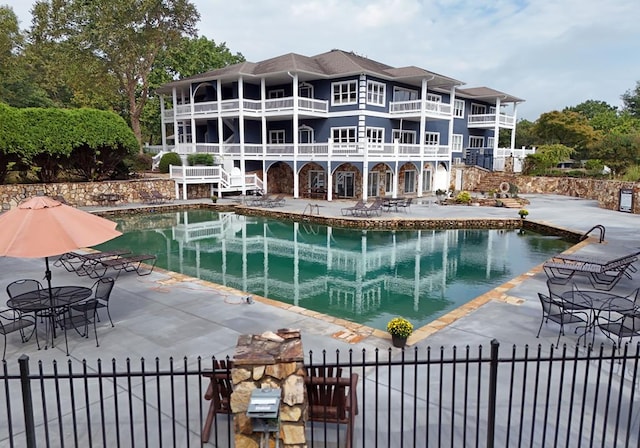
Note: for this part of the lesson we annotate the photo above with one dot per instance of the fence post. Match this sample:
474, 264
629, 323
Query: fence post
27, 403
493, 380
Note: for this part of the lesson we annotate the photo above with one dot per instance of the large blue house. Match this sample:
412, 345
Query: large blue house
334, 125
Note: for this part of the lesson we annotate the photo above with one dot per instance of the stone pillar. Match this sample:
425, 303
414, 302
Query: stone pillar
270, 360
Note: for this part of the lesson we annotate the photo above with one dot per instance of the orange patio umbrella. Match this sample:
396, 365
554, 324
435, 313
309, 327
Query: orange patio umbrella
43, 227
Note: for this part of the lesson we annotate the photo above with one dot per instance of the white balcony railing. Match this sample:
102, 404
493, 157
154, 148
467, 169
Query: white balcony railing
249, 107
414, 107
487, 120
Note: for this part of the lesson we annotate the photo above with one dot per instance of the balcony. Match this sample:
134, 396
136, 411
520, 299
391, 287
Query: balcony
407, 109
272, 107
486, 121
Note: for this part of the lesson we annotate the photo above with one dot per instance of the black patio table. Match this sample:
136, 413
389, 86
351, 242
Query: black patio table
387, 203
52, 301
597, 302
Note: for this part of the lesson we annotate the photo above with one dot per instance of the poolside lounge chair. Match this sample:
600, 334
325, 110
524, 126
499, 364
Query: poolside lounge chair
142, 264
147, 198
82, 264
278, 201
351, 210
375, 208
332, 398
159, 197
603, 274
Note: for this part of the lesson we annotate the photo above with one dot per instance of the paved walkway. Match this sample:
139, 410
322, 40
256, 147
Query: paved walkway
166, 314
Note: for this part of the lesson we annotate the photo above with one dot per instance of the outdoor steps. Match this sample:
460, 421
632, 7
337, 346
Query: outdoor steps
511, 203
491, 181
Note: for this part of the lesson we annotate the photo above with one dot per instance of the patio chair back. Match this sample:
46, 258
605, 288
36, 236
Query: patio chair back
102, 294
12, 321
22, 286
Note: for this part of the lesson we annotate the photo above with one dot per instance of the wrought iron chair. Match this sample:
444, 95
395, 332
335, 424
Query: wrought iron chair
22, 286
87, 313
556, 312
12, 321
102, 293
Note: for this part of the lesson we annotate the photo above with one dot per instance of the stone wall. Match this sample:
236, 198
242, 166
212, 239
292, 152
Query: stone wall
606, 192
271, 361
83, 193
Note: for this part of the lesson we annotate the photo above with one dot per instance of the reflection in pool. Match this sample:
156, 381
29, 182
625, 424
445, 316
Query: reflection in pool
358, 275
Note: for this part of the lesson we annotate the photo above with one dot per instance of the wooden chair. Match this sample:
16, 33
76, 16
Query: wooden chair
219, 393
332, 397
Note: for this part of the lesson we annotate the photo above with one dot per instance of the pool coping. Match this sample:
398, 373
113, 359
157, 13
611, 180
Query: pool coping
354, 332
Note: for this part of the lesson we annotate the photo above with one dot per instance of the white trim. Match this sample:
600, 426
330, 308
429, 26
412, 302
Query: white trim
431, 138
399, 135
344, 96
344, 134
457, 142
305, 86
474, 140
482, 107
434, 97
375, 135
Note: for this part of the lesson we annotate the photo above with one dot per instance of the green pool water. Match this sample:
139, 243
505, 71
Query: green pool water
362, 276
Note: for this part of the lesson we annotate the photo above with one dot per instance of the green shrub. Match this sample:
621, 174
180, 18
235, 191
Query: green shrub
139, 162
632, 174
170, 158
200, 158
464, 197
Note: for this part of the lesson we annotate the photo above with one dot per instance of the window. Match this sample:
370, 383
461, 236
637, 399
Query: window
433, 97
492, 110
343, 135
402, 94
374, 187
432, 138
276, 137
456, 143
305, 90
409, 181
375, 135
344, 93
476, 142
478, 109
490, 141
376, 93
305, 134
388, 182
406, 137
458, 108
426, 181
278, 93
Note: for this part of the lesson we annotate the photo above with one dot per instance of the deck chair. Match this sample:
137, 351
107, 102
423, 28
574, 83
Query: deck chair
147, 198
603, 274
332, 398
218, 393
375, 208
142, 264
620, 325
159, 197
82, 264
352, 210
101, 294
278, 201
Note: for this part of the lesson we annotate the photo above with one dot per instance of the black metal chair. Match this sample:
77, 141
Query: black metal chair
101, 295
556, 312
22, 286
12, 321
87, 313
622, 326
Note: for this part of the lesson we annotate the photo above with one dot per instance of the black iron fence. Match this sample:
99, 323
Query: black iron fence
476, 397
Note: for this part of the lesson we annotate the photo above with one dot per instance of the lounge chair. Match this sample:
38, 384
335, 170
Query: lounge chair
159, 197
603, 274
375, 208
147, 198
332, 398
351, 210
278, 201
142, 265
82, 264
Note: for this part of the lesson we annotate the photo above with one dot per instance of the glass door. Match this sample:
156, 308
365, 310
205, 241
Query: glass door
409, 181
345, 184
373, 188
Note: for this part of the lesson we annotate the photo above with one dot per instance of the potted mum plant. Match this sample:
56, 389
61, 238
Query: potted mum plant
400, 329
214, 198
523, 213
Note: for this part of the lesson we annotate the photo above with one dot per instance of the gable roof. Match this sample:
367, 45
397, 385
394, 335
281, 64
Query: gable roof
331, 64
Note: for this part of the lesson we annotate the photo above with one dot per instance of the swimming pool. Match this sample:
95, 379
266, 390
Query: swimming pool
363, 276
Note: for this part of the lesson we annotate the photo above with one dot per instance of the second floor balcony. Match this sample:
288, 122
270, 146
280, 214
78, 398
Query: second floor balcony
486, 121
413, 108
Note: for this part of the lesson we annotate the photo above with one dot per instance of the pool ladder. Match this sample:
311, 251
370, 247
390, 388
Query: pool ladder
599, 227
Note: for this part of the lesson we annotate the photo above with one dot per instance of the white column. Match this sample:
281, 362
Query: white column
163, 124
241, 131
296, 121
263, 97
193, 119
513, 131
175, 119
220, 122
423, 131
329, 179
496, 128
450, 138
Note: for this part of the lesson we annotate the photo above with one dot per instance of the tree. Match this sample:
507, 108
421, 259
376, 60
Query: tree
114, 40
567, 128
546, 157
619, 150
191, 56
592, 108
631, 100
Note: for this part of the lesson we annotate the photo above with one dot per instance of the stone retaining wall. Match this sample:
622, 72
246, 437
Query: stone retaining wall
83, 193
606, 192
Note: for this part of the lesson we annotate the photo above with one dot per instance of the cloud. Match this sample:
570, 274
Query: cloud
552, 53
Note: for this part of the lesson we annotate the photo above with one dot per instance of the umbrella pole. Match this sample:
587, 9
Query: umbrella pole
52, 322
47, 275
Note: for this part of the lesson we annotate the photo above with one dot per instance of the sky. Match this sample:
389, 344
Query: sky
551, 53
